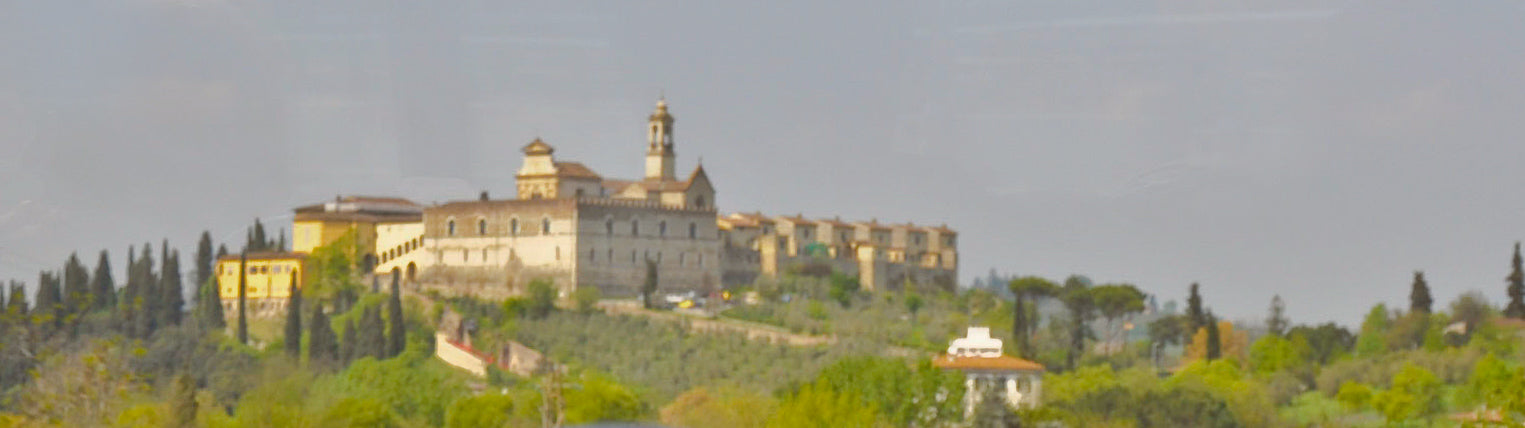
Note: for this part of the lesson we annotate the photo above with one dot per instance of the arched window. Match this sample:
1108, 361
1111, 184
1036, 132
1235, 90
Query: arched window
699, 201
610, 256
609, 227
592, 255
513, 226
545, 226
681, 257
635, 228
482, 227
693, 231
662, 229
450, 228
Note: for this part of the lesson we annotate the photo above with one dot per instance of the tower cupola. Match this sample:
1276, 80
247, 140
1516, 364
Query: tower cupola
659, 144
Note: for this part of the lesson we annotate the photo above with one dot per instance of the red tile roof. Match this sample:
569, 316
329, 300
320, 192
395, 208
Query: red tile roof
575, 170
1001, 363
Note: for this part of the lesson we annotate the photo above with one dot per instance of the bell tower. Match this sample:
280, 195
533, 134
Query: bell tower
659, 150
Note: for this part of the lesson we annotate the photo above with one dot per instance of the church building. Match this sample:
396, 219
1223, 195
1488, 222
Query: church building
578, 228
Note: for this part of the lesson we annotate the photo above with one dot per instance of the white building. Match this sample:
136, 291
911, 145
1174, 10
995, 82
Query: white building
979, 357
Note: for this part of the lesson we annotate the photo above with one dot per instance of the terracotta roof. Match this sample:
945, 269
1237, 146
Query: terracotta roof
797, 219
943, 229
1001, 363
538, 147
834, 222
575, 169
359, 217
267, 255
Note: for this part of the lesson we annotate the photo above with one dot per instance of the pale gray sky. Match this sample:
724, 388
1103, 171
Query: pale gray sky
1322, 150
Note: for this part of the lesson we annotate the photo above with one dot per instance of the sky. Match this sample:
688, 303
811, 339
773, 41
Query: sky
1319, 150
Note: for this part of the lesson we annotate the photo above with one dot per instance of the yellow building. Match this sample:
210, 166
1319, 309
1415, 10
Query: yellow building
381, 226
267, 281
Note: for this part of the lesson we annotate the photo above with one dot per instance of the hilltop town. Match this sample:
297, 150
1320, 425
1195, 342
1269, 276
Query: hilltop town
579, 229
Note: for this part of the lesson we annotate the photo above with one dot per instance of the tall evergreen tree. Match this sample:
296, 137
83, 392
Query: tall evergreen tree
257, 241
172, 292
1196, 317
103, 286
76, 287
1516, 306
1078, 298
397, 333
294, 319
204, 259
1214, 342
210, 303
128, 304
280, 242
347, 341
1419, 295
322, 346
1276, 322
243, 297
650, 286
49, 311
222, 250
148, 298
373, 342
183, 408
1026, 292
16, 305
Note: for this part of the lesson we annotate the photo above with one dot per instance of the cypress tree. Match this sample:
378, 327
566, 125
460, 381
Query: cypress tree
280, 243
172, 302
211, 305
1419, 295
1516, 306
322, 349
148, 299
204, 258
373, 342
243, 285
396, 339
1214, 342
1196, 318
294, 319
256, 238
183, 408
1276, 322
76, 287
15, 306
49, 311
222, 250
347, 341
127, 303
104, 287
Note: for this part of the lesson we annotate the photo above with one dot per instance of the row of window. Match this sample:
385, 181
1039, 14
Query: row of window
257, 270
683, 259
398, 251
545, 228
635, 229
